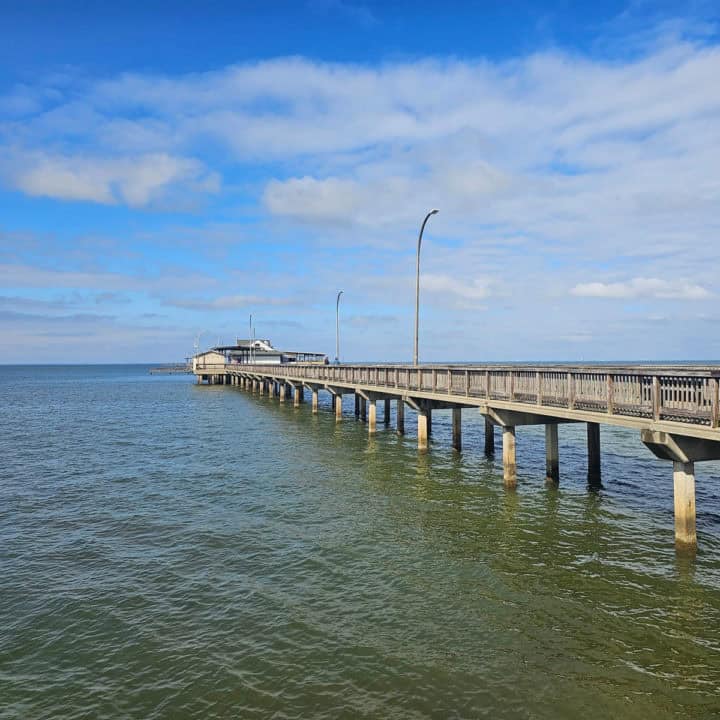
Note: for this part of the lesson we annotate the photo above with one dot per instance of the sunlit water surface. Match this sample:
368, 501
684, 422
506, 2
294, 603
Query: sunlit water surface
174, 551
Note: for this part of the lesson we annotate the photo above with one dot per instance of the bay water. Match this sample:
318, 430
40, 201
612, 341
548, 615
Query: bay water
175, 551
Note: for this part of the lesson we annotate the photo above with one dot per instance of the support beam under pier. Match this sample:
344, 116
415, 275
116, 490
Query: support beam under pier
315, 394
386, 412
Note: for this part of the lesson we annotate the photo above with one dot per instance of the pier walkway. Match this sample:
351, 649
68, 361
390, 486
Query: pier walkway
675, 409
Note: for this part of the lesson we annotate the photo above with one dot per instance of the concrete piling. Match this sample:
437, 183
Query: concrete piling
552, 455
509, 461
372, 416
489, 437
422, 429
338, 407
593, 443
457, 428
684, 496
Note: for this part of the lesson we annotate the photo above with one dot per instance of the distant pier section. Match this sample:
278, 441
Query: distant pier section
185, 368
676, 410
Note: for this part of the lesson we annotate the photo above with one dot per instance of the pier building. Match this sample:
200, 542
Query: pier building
247, 352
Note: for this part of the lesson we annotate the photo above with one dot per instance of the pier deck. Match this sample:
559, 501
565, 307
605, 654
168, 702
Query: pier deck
675, 409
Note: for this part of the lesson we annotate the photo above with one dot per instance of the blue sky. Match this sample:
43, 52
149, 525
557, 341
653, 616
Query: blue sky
167, 169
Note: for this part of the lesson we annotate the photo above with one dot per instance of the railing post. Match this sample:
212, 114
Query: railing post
610, 398
434, 380
656, 398
714, 403
538, 387
487, 384
467, 383
512, 385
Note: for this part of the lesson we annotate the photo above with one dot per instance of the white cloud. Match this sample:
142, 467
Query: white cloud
467, 291
31, 276
306, 198
643, 288
229, 302
135, 181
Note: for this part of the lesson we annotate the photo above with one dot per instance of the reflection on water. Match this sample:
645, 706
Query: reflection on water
173, 551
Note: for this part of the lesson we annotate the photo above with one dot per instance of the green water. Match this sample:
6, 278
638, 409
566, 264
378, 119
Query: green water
174, 551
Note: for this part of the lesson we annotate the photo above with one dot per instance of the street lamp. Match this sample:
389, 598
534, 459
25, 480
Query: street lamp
337, 328
417, 286
250, 350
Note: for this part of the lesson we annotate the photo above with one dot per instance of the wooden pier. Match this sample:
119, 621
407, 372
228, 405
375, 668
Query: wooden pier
676, 410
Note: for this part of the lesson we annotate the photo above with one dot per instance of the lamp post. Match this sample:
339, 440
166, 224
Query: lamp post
250, 351
337, 328
417, 286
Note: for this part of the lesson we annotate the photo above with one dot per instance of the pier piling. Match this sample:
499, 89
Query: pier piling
489, 437
422, 428
338, 407
593, 443
552, 455
457, 428
400, 416
509, 461
684, 497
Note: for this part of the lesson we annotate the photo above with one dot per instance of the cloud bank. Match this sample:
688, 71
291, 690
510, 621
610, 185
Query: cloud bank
561, 180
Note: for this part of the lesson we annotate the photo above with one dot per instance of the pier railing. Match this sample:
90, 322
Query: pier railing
687, 395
